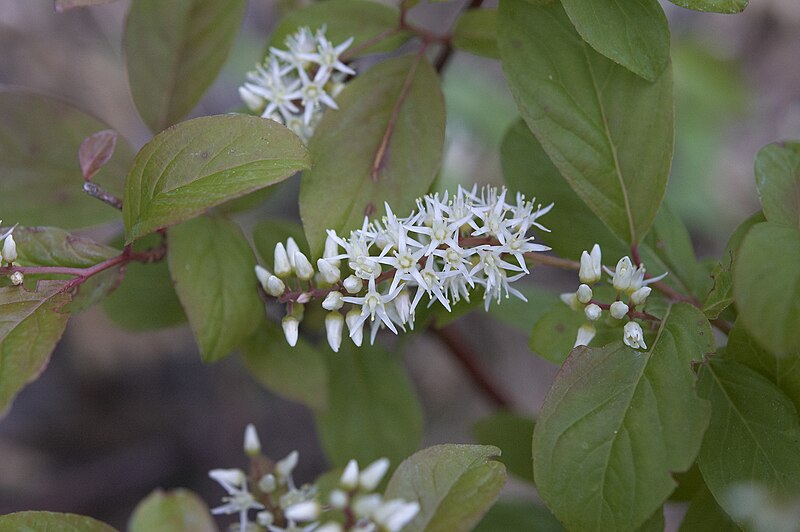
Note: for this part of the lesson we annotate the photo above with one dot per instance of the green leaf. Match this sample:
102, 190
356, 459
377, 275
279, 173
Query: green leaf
476, 32
783, 371
705, 514
361, 19
174, 51
213, 269
30, 326
146, 299
586, 112
736, 239
372, 408
714, 6
633, 33
766, 286
178, 510
617, 422
51, 522
39, 142
518, 516
753, 436
668, 247
778, 182
553, 335
51, 246
720, 296
201, 163
512, 433
454, 484
655, 523
341, 189
299, 373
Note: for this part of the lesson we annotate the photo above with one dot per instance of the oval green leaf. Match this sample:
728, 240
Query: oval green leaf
178, 510
454, 484
201, 163
753, 435
713, 6
174, 50
31, 325
508, 515
363, 20
476, 32
372, 408
212, 266
617, 422
51, 522
766, 286
39, 142
352, 174
51, 246
778, 181
586, 112
633, 33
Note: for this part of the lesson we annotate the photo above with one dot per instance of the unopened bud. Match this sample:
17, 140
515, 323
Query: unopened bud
373, 474
291, 249
267, 484
333, 301
331, 250
303, 511
285, 466
402, 303
356, 326
17, 278
593, 312
349, 479
571, 300
9, 249
618, 310
291, 326
303, 298
252, 445
331, 526
302, 266
334, 324
330, 273
282, 266
591, 267
585, 334
263, 275
230, 477
640, 295
353, 284
338, 499
275, 287
584, 293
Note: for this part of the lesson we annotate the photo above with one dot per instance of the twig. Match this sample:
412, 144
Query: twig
549, 260
460, 350
96, 191
352, 52
447, 52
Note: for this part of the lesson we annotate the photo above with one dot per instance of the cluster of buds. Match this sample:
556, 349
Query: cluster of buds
295, 86
8, 254
442, 251
281, 506
630, 284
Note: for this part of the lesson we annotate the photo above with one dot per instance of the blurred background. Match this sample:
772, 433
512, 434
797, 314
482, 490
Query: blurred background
119, 413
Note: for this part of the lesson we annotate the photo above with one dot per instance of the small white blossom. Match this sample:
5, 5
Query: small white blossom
571, 300
619, 310
393, 515
239, 499
591, 266
349, 478
373, 474
633, 335
592, 312
353, 284
262, 274
17, 278
334, 324
291, 326
332, 526
584, 293
302, 266
285, 466
275, 287
355, 325
252, 445
338, 499
585, 334
303, 511
333, 301
281, 264
330, 273
640, 295
9, 253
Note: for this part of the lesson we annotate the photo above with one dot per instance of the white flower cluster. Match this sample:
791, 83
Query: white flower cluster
628, 280
8, 254
283, 507
446, 248
295, 86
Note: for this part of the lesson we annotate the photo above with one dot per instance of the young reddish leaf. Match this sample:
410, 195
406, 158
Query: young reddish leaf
95, 151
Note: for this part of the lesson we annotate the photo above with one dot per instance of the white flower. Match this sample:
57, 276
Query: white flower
373, 304
252, 445
327, 56
17, 278
619, 310
640, 295
334, 323
585, 334
239, 499
591, 266
623, 274
633, 335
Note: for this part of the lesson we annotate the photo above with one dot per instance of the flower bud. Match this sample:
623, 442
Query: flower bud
633, 336
302, 266
592, 312
282, 266
9, 249
331, 526
640, 295
252, 445
364, 505
334, 324
349, 479
303, 511
618, 310
263, 275
291, 249
303, 298
585, 334
373, 474
338, 499
584, 294
333, 301
356, 326
291, 326
285, 466
331, 250
571, 300
230, 477
330, 273
17, 278
353, 284
267, 484
399, 516
275, 287
590, 271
